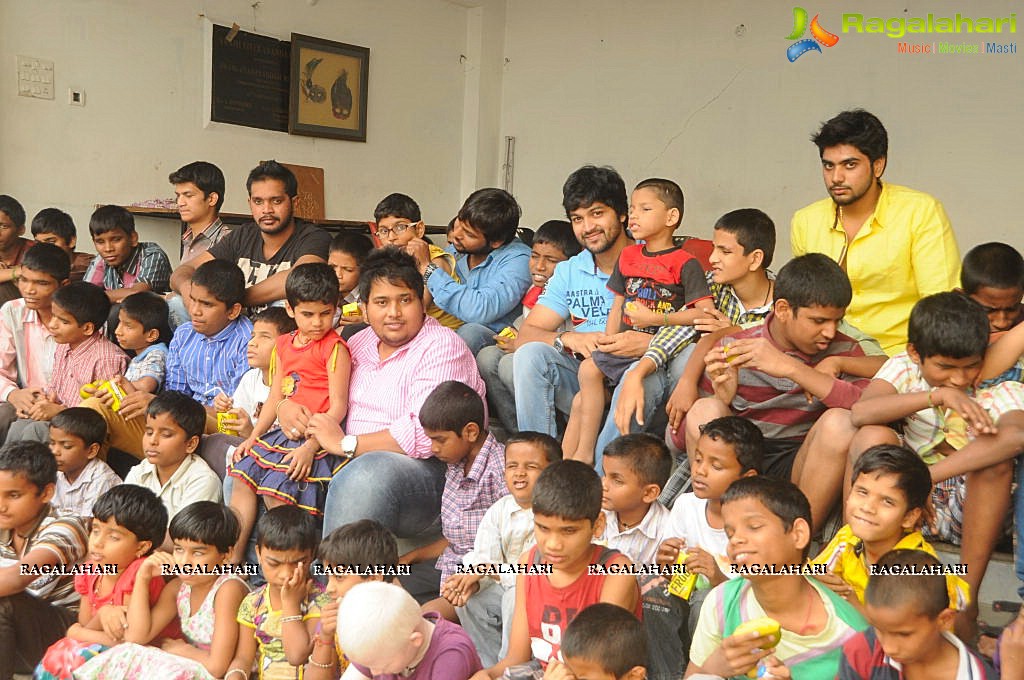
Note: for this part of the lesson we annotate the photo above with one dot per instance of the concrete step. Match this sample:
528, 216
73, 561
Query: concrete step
1000, 582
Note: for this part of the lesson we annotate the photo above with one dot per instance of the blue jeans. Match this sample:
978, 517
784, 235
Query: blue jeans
496, 368
476, 335
545, 380
177, 311
1018, 525
402, 493
657, 388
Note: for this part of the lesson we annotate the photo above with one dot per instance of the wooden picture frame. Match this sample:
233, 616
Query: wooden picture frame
329, 84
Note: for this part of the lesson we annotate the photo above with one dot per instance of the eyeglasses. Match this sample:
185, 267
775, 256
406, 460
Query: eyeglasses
396, 230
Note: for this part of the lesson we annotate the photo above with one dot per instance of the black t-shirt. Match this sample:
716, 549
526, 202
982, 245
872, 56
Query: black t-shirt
244, 246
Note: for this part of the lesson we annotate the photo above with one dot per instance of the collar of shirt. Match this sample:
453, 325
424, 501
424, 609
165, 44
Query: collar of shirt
483, 460
152, 348
585, 263
132, 261
188, 237
31, 316
649, 526
875, 219
150, 471
90, 471
225, 334
85, 346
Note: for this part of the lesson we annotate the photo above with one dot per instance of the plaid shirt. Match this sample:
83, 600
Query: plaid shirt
147, 264
465, 500
669, 341
193, 244
96, 358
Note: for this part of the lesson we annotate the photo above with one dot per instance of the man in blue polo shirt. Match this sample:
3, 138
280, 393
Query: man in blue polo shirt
546, 365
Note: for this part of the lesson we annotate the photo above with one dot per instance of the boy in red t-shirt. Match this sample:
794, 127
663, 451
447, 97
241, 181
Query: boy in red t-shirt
567, 517
655, 284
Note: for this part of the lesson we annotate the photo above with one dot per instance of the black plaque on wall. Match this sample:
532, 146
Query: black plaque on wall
251, 74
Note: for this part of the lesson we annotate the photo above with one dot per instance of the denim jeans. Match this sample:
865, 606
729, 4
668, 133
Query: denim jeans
177, 312
657, 388
495, 365
545, 380
1018, 525
476, 335
402, 493
487, 618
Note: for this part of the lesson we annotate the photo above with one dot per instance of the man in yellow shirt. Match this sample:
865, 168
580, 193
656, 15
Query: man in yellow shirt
896, 244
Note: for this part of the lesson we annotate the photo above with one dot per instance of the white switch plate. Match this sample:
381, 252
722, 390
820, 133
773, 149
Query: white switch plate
35, 77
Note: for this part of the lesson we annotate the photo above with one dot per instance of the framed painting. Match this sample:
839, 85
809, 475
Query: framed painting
327, 96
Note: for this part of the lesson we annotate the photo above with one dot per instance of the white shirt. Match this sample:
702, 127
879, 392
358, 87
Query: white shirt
77, 498
688, 520
639, 543
251, 393
505, 533
192, 481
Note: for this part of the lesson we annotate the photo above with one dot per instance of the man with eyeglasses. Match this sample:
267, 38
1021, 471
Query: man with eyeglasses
267, 248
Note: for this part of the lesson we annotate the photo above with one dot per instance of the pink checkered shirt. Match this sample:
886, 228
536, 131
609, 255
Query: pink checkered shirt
465, 500
388, 394
95, 359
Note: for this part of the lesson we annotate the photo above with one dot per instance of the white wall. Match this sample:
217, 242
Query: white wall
666, 88
653, 87
141, 65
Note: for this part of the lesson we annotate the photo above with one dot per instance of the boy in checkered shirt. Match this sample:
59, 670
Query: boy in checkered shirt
454, 418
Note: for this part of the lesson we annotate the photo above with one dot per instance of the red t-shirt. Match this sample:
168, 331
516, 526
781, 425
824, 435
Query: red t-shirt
550, 609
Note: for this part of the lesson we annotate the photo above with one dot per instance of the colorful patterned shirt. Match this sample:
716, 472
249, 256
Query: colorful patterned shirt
147, 264
149, 363
63, 535
926, 429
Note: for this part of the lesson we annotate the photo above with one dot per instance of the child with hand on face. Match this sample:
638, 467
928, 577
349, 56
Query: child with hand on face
203, 534
365, 545
311, 368
279, 619
346, 255
399, 224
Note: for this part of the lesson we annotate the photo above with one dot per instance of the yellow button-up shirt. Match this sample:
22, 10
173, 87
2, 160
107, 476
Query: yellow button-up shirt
905, 251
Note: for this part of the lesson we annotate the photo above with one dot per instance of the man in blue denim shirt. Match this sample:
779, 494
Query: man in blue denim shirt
492, 268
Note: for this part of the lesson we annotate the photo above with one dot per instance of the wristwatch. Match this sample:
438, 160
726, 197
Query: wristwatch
430, 269
348, 445
557, 342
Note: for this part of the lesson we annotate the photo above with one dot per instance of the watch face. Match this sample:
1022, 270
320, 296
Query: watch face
558, 343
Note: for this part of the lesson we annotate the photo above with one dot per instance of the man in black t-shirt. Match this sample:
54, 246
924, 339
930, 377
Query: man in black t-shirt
268, 248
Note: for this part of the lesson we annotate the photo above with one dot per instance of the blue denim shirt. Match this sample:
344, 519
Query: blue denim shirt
491, 292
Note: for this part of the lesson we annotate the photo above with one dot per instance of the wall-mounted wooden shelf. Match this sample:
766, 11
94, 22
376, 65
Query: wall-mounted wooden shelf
333, 226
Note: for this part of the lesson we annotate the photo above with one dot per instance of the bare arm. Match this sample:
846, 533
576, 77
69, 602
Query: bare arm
271, 288
1004, 353
182, 275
